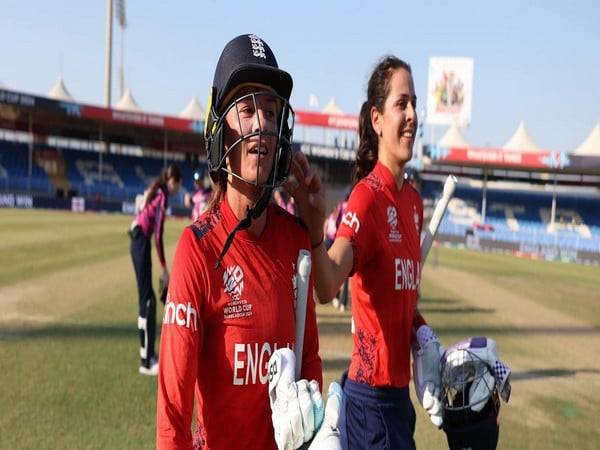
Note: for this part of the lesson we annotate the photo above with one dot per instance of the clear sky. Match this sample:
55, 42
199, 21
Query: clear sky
537, 61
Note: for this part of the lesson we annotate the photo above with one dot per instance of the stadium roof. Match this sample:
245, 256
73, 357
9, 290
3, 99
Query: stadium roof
332, 108
453, 138
521, 141
127, 102
591, 146
44, 116
60, 92
193, 110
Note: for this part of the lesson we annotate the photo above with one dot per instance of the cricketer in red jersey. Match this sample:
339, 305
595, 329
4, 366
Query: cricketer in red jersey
378, 244
231, 319
384, 225
231, 302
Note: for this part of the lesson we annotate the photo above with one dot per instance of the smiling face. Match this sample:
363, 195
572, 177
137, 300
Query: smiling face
251, 134
397, 124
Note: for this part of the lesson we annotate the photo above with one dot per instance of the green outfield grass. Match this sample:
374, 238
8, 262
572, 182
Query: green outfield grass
68, 338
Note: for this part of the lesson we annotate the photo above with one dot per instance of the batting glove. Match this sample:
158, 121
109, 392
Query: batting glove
427, 352
296, 406
328, 437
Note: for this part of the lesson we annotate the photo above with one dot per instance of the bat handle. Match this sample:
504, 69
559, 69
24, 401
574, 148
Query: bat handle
302, 285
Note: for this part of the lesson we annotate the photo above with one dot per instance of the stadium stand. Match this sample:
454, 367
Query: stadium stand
523, 217
14, 170
76, 173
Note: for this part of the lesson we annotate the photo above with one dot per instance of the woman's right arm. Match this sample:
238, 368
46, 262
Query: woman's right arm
330, 267
179, 346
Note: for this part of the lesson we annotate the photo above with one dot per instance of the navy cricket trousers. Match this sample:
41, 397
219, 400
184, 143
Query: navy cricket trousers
142, 264
376, 418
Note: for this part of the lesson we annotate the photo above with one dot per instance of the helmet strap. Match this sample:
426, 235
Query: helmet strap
252, 213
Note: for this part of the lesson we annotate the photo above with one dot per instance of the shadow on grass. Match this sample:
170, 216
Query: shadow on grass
437, 301
335, 316
549, 373
458, 310
334, 328
491, 331
70, 331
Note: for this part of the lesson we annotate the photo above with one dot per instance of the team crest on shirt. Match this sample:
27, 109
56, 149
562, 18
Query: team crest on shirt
392, 218
233, 285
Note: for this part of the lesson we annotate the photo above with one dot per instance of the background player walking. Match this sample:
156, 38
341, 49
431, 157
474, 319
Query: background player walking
150, 220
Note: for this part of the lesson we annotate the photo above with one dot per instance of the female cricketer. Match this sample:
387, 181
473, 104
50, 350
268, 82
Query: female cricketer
149, 220
378, 244
230, 304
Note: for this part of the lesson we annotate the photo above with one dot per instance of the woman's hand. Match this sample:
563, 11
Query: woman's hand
307, 190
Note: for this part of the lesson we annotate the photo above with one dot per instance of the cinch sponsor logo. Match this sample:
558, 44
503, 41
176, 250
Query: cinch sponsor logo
350, 219
407, 274
180, 314
250, 362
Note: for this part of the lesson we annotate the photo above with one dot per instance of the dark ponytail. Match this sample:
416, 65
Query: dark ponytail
378, 90
219, 188
172, 171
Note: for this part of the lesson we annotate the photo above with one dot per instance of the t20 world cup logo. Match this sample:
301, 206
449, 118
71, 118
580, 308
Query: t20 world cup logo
233, 281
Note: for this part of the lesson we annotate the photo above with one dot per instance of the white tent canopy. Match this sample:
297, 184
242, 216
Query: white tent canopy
127, 102
591, 146
521, 141
332, 108
313, 101
60, 92
453, 138
193, 110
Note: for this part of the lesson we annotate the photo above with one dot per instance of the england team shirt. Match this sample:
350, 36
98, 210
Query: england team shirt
220, 327
383, 223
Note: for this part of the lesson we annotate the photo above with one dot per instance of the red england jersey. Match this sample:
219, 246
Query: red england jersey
220, 327
383, 223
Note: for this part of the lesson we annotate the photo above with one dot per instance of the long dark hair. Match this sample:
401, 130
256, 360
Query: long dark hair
377, 91
172, 171
219, 187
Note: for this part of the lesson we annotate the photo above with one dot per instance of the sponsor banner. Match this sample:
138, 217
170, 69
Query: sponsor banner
450, 91
10, 200
101, 114
325, 152
78, 204
497, 157
317, 119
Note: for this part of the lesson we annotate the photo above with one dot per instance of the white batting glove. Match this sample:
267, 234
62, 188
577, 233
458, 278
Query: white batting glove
427, 352
296, 407
328, 437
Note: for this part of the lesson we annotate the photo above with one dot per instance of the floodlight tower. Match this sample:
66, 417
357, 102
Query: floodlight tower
122, 18
108, 54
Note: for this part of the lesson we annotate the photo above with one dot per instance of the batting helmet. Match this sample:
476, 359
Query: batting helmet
248, 59
470, 397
